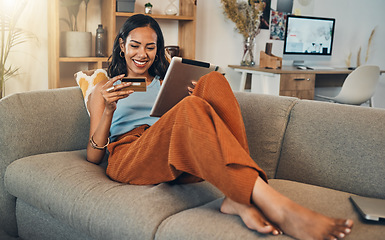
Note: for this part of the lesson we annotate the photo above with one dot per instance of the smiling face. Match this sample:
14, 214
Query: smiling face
139, 51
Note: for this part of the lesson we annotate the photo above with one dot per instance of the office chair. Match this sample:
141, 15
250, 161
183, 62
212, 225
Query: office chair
358, 87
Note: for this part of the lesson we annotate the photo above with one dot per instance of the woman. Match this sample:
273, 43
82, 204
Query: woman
202, 137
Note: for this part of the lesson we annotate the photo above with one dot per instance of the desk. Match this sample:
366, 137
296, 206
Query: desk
290, 81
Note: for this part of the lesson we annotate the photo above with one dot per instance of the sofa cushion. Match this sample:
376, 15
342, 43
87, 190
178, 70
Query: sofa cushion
335, 146
265, 118
34, 224
80, 194
197, 222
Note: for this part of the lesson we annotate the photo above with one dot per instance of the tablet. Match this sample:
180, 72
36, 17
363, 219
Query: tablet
178, 77
370, 208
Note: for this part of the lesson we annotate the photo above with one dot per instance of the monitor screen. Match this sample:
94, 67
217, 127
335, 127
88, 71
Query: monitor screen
308, 36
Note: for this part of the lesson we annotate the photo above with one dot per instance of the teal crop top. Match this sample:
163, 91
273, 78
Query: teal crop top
134, 111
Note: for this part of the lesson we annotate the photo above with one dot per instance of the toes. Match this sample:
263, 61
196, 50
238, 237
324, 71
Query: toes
341, 232
338, 234
264, 229
342, 228
345, 226
276, 232
331, 238
259, 225
252, 217
349, 223
347, 230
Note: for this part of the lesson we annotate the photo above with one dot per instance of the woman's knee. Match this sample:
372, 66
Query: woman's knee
214, 76
194, 102
213, 87
194, 109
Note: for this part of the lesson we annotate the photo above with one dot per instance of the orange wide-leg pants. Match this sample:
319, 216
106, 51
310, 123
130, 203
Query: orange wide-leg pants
201, 138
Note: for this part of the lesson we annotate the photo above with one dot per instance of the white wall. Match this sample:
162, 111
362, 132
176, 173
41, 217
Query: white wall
218, 42
32, 56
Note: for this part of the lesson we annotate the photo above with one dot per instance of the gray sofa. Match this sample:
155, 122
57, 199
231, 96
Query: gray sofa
318, 154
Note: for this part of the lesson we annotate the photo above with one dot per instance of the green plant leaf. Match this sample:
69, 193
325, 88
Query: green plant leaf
10, 36
10, 72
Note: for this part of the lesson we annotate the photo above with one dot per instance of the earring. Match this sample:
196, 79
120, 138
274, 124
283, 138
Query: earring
121, 54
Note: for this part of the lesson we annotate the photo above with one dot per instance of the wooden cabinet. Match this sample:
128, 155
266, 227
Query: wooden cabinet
61, 69
299, 85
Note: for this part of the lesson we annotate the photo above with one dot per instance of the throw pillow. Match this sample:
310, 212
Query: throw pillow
87, 81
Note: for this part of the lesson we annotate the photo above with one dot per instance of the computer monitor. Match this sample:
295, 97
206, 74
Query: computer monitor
308, 39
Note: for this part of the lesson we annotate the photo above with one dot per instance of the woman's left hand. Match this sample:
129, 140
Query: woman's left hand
191, 89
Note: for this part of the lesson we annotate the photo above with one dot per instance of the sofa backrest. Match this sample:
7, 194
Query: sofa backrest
265, 118
38, 122
336, 146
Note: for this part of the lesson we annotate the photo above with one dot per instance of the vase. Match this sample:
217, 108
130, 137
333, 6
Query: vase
172, 50
148, 10
76, 44
248, 52
171, 9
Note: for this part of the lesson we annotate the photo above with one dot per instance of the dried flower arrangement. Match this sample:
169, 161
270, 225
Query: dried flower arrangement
245, 14
348, 59
369, 44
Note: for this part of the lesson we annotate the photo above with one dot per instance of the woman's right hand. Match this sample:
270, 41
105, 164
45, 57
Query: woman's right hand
112, 93
101, 106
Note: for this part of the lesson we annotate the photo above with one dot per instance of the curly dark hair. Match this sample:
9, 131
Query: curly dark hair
118, 65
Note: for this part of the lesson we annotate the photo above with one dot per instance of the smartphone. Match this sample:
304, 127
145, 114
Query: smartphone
138, 84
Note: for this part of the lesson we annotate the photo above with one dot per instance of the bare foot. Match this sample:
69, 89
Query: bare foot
250, 215
295, 220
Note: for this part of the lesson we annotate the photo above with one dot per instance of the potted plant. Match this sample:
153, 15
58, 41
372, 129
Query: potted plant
148, 8
75, 43
10, 36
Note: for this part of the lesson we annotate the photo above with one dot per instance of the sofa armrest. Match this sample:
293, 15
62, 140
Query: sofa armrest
38, 122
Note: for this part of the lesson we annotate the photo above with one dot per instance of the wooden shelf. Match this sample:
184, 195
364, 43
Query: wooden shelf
61, 69
83, 59
160, 17
186, 24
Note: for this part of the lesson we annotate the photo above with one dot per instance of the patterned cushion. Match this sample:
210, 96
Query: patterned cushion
87, 81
